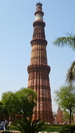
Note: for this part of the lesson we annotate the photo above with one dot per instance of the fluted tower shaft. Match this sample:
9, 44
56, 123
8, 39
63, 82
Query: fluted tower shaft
38, 69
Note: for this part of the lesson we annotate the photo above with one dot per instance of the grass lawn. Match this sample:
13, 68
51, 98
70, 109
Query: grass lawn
53, 128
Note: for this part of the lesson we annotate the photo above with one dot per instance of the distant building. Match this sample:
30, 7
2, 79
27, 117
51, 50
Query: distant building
59, 115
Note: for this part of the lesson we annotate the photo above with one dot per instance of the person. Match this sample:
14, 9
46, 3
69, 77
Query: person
2, 125
6, 124
10, 122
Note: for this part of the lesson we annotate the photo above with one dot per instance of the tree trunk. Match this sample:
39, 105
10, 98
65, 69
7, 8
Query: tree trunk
70, 115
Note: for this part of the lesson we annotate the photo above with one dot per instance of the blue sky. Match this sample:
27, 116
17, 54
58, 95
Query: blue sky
16, 19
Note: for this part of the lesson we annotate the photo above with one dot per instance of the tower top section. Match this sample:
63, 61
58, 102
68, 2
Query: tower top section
39, 13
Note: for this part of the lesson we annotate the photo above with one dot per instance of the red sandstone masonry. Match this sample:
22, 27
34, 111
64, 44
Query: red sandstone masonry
38, 69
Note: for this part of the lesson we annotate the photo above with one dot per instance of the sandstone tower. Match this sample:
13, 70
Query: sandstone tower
38, 69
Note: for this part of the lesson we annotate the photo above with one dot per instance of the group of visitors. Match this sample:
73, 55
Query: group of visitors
3, 125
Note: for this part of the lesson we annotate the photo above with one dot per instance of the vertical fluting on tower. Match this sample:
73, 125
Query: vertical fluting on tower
38, 69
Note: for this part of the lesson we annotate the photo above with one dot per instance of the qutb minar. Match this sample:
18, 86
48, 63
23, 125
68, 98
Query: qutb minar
39, 70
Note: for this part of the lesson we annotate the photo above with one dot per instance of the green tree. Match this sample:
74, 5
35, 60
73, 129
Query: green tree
10, 102
65, 97
66, 116
27, 101
3, 109
20, 102
28, 126
69, 40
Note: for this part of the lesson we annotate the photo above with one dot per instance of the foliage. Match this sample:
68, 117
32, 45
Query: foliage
52, 128
68, 129
70, 41
71, 73
10, 102
64, 41
66, 116
28, 126
1, 107
20, 102
3, 110
27, 101
65, 97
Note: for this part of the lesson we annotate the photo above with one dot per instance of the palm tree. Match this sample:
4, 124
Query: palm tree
71, 73
64, 41
69, 40
28, 126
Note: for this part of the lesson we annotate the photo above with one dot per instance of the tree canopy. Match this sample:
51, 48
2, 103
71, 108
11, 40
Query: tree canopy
65, 97
27, 101
20, 102
10, 102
